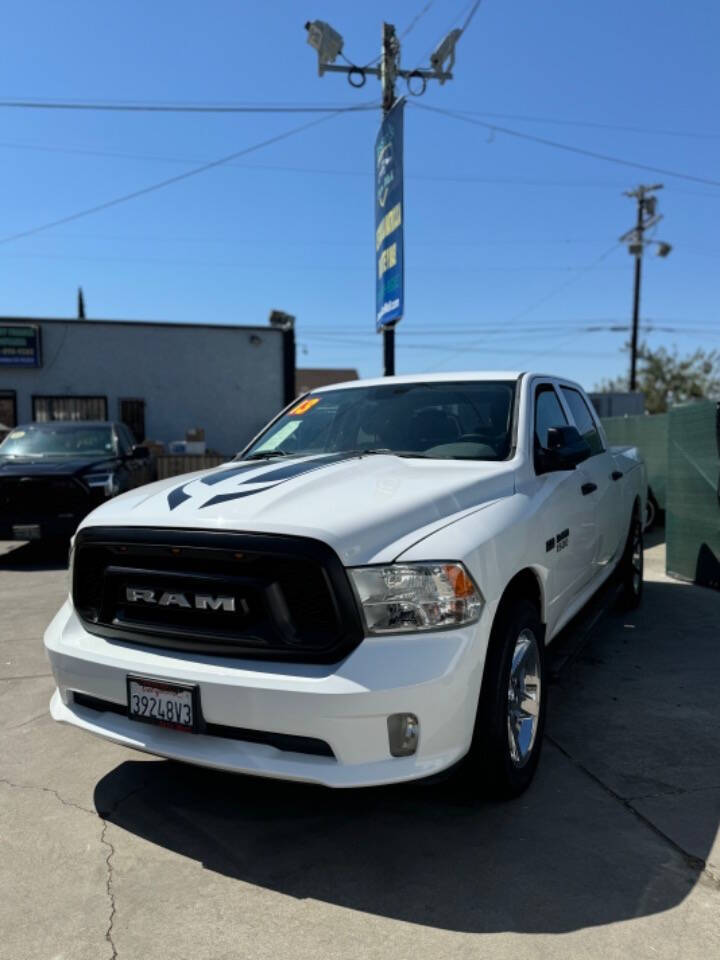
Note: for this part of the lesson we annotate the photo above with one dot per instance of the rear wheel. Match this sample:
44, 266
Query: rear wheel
511, 714
630, 570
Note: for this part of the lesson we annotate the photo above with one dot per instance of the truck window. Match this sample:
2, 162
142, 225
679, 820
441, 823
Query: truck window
548, 413
583, 420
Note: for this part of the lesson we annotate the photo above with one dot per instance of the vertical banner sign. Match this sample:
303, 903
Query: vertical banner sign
389, 267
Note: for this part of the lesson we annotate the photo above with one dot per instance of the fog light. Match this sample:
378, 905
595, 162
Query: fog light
403, 733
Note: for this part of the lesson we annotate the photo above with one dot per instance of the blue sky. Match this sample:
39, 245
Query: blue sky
503, 236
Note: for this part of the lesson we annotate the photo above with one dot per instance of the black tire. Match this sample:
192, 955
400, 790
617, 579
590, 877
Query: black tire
489, 768
630, 568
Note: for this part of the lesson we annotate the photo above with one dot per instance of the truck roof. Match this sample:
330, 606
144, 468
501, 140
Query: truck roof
454, 376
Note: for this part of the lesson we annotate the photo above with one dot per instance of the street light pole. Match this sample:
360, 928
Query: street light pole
329, 46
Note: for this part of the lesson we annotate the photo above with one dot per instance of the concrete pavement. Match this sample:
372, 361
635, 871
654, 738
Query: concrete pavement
613, 851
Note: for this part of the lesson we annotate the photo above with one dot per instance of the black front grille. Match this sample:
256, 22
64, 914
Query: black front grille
237, 594
34, 498
281, 741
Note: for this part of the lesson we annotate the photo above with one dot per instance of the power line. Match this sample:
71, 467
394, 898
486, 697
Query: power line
535, 304
415, 20
469, 17
437, 349
325, 171
467, 9
592, 124
406, 31
139, 107
170, 180
565, 146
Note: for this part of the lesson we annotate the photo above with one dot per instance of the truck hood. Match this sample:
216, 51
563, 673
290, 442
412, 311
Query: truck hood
369, 508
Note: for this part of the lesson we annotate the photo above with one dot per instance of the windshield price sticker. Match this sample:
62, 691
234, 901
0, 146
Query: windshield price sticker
304, 406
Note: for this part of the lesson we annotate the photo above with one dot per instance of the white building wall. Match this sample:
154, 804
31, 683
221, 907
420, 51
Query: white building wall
227, 380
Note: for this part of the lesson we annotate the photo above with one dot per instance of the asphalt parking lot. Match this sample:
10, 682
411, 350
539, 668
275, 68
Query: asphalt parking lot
613, 852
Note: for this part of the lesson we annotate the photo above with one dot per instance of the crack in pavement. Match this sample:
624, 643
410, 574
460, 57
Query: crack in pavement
109, 889
101, 815
696, 863
54, 793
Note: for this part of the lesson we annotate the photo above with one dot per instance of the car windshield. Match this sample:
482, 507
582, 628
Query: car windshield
465, 421
55, 440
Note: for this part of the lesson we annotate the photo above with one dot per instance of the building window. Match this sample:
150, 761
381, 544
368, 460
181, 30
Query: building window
8, 411
132, 414
69, 408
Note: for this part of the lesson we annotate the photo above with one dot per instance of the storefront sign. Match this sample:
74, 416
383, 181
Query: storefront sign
20, 345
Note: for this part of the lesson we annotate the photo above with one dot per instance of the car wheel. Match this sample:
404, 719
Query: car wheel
650, 513
513, 701
631, 566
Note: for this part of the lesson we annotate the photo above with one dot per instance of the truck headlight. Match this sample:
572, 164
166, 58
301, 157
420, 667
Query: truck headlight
108, 482
407, 597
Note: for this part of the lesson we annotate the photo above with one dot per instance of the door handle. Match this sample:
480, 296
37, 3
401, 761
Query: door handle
616, 474
588, 488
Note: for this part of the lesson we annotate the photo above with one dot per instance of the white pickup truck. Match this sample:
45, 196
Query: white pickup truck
364, 595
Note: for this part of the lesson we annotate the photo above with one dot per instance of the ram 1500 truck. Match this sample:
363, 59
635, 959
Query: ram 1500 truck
364, 595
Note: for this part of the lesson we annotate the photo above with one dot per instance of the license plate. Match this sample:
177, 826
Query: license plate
165, 704
26, 531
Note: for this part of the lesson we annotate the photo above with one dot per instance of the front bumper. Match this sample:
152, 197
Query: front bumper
51, 528
436, 676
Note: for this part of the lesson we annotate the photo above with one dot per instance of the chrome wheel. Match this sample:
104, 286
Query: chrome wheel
649, 513
524, 691
636, 558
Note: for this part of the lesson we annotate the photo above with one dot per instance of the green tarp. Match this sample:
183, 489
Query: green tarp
682, 452
692, 524
650, 435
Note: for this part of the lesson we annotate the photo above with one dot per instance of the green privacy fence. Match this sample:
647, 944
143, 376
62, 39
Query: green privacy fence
650, 434
682, 452
693, 506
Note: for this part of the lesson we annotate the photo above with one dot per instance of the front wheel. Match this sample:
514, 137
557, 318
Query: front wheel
510, 720
630, 570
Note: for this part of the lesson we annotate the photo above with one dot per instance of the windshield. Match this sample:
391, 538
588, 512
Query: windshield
55, 440
470, 420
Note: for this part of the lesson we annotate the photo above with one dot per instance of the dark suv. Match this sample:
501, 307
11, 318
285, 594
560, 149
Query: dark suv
53, 474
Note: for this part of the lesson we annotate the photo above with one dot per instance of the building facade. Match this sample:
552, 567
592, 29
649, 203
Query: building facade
162, 379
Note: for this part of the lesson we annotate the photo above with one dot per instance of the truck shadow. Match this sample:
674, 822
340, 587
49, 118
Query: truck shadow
40, 555
573, 852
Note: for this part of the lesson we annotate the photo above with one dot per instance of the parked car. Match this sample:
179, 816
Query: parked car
364, 595
53, 474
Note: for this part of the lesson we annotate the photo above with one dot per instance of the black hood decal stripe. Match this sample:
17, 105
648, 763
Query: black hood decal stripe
290, 470
177, 496
223, 497
277, 475
231, 472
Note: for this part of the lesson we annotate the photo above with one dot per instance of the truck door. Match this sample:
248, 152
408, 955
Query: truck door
601, 481
567, 517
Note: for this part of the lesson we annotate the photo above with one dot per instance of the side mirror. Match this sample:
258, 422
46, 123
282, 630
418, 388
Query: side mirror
139, 452
565, 450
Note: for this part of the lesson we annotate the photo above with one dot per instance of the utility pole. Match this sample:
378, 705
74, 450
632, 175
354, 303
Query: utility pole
647, 217
329, 45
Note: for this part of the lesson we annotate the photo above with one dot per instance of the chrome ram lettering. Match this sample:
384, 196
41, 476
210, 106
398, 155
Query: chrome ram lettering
201, 601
